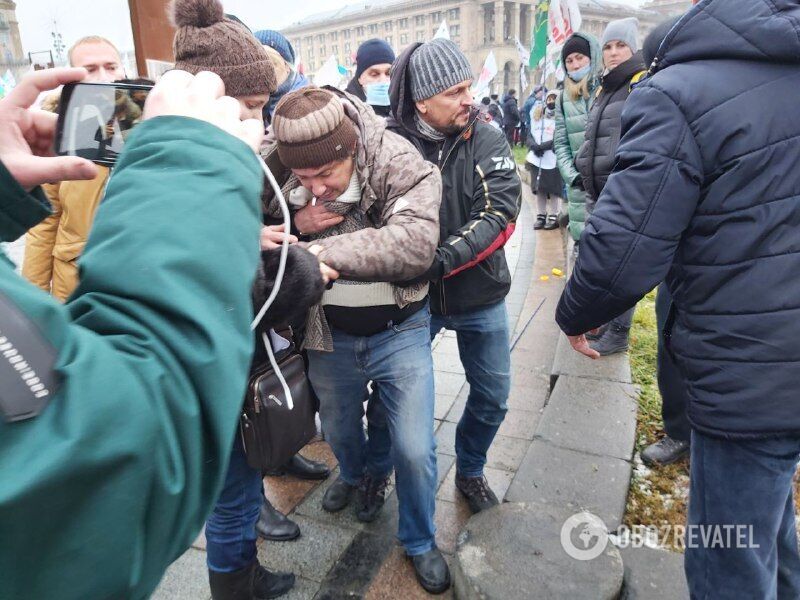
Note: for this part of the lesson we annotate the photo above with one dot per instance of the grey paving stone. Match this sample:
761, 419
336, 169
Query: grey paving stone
568, 362
598, 417
186, 578
357, 566
313, 554
552, 475
443, 464
446, 439
515, 552
449, 383
653, 574
506, 453
304, 589
443, 405
456, 410
447, 363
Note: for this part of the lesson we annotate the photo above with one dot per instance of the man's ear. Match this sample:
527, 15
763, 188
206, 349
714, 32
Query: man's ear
421, 106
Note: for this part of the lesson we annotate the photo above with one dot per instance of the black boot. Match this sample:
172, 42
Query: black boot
540, 221
665, 452
302, 468
338, 495
251, 583
432, 571
371, 496
613, 340
552, 223
477, 492
593, 337
274, 525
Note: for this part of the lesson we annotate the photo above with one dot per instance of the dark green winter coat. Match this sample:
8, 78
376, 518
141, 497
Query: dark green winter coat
140, 374
571, 117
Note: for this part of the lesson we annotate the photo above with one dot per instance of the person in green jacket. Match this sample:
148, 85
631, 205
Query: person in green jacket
118, 409
582, 60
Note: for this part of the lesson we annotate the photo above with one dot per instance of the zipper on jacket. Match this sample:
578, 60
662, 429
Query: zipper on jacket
256, 401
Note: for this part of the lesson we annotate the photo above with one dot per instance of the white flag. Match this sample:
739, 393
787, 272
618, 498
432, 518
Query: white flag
564, 20
443, 31
481, 86
524, 53
523, 80
328, 73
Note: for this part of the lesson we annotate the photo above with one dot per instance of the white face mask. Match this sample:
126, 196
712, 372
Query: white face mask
576, 76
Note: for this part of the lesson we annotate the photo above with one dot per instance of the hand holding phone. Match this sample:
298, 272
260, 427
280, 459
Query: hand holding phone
96, 118
26, 136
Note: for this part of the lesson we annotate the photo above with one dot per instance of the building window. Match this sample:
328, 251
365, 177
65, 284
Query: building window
321, 38
347, 48
454, 30
402, 23
453, 14
387, 26
389, 40
335, 36
335, 49
436, 17
373, 28
348, 61
322, 51
403, 39
420, 36
360, 31
347, 34
419, 20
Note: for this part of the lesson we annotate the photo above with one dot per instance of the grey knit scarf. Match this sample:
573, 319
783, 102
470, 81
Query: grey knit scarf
426, 131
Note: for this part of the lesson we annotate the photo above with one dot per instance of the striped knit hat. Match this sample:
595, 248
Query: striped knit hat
436, 66
311, 129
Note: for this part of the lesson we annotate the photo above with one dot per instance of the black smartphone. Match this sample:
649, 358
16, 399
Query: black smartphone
95, 118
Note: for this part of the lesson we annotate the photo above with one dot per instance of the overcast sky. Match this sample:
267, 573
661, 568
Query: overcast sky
110, 18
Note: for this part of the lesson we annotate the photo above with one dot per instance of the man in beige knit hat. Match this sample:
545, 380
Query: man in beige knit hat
385, 199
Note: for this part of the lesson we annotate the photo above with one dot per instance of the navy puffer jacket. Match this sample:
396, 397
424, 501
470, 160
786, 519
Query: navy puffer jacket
706, 192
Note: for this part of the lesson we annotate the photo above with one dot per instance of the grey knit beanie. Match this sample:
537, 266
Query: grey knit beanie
436, 66
625, 30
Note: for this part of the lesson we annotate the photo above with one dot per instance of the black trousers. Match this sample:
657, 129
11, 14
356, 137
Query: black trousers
670, 381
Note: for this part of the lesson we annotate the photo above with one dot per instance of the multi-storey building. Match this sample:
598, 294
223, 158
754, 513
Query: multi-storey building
476, 26
12, 57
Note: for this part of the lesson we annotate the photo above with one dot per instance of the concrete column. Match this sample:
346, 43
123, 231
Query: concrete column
480, 27
515, 18
499, 13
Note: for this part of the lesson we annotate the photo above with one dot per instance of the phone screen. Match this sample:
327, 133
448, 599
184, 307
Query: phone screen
94, 119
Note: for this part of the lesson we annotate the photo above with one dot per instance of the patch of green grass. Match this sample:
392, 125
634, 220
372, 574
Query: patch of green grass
520, 152
657, 496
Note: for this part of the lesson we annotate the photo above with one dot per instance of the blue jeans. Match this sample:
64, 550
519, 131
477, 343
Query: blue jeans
231, 528
398, 361
483, 345
746, 483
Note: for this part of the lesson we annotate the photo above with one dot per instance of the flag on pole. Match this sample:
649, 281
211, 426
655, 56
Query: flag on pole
488, 72
565, 19
443, 31
524, 53
328, 73
539, 33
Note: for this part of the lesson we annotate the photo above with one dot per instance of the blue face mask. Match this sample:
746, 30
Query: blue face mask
576, 76
377, 94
